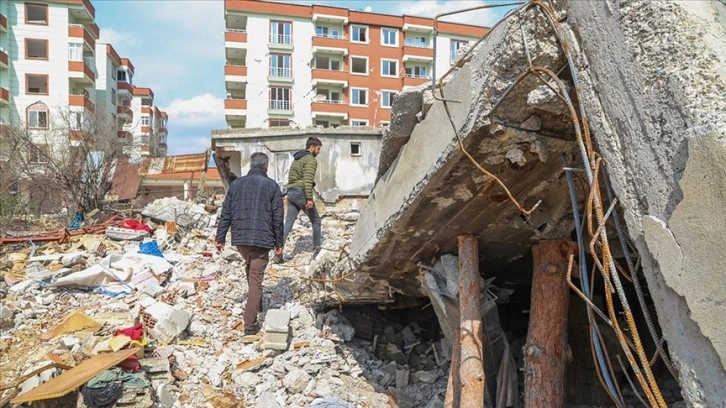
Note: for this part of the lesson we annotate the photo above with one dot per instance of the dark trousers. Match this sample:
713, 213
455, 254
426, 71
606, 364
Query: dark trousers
295, 203
256, 259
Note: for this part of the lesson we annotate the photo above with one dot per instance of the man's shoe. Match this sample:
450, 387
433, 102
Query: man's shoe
251, 332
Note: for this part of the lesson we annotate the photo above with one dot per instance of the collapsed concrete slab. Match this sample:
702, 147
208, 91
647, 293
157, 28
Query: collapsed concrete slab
651, 80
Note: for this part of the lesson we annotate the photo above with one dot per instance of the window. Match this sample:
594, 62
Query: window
76, 120
359, 96
36, 13
328, 32
322, 62
327, 96
145, 121
354, 122
389, 37
38, 154
280, 99
114, 70
387, 99
36, 84
359, 65
455, 46
355, 146
36, 49
146, 101
389, 68
417, 41
323, 123
280, 32
37, 116
279, 122
75, 52
359, 33
113, 96
121, 74
385, 124
280, 65
416, 71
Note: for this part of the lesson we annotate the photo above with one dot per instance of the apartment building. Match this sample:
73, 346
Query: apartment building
302, 65
52, 65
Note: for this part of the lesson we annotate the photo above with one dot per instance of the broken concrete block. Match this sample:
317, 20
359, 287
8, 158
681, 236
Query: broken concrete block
276, 341
428, 377
277, 320
72, 259
151, 287
267, 400
6, 317
184, 213
170, 322
402, 378
296, 380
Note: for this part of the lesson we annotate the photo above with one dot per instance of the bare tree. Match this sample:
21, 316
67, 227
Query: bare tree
66, 162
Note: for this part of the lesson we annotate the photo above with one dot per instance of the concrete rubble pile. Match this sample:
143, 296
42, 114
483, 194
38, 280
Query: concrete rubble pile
67, 304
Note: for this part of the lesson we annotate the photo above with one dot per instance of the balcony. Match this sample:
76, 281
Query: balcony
3, 23
329, 77
235, 105
235, 76
162, 146
280, 41
78, 31
162, 130
235, 38
145, 130
278, 74
81, 101
125, 113
336, 108
415, 80
146, 110
329, 44
124, 89
82, 10
329, 15
3, 59
279, 107
417, 54
81, 73
122, 134
4, 97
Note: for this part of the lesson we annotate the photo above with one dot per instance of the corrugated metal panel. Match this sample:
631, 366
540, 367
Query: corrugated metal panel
188, 162
126, 181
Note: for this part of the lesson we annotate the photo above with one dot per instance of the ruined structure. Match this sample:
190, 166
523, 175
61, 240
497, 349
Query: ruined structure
493, 153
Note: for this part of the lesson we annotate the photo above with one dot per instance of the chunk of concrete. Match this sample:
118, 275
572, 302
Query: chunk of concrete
296, 380
277, 320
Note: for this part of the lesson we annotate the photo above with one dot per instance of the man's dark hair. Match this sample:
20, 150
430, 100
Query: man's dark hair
258, 161
313, 141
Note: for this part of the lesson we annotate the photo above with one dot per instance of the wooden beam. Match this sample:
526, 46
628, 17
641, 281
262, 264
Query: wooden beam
471, 370
453, 386
546, 350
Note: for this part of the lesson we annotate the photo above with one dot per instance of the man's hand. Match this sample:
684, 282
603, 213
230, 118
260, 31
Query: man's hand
278, 251
219, 245
310, 204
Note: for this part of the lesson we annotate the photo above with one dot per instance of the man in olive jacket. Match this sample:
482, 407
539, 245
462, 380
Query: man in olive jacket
253, 210
301, 181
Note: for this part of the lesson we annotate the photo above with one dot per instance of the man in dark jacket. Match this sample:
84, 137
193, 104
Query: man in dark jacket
301, 181
253, 209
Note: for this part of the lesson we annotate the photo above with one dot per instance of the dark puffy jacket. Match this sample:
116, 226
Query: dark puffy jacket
302, 172
253, 209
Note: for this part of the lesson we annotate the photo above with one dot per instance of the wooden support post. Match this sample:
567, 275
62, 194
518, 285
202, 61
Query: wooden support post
546, 351
471, 370
453, 386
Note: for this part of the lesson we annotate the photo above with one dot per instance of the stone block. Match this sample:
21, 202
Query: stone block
277, 320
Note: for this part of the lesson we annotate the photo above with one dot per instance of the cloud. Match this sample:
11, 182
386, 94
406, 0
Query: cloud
188, 144
430, 8
120, 40
197, 111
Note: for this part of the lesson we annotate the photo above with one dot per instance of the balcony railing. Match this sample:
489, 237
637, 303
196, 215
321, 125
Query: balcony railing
280, 39
236, 30
418, 76
280, 105
280, 72
328, 35
416, 43
333, 101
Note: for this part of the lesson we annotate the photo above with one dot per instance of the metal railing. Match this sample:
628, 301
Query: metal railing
333, 101
280, 39
236, 30
327, 35
280, 104
416, 43
419, 76
280, 72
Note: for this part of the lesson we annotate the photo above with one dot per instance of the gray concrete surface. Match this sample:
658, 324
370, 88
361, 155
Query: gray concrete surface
654, 90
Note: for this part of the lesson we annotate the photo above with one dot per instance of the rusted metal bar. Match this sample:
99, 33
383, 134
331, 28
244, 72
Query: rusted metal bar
453, 386
546, 350
471, 369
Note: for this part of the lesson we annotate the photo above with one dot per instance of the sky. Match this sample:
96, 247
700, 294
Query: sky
177, 48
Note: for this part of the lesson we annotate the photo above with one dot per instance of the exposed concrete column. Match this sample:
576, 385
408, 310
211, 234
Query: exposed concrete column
545, 353
471, 369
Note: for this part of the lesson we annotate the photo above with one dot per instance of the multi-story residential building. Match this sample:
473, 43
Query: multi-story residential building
327, 66
52, 65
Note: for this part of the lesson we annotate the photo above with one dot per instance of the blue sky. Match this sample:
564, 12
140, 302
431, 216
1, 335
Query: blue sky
177, 48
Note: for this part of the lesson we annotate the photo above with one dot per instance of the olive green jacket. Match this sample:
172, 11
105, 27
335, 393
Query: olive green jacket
302, 172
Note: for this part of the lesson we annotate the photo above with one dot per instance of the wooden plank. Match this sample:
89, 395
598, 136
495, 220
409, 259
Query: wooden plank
75, 377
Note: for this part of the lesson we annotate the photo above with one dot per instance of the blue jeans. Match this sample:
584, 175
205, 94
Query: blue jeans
296, 202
